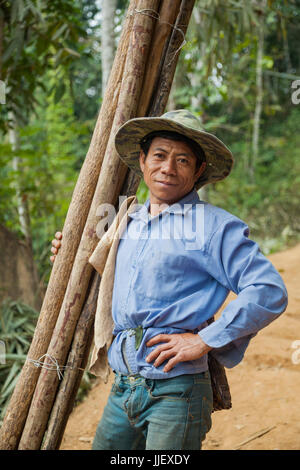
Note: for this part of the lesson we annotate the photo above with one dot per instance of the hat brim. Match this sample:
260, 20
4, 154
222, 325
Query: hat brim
219, 159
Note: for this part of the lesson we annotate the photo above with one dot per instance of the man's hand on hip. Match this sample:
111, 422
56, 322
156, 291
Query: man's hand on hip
180, 347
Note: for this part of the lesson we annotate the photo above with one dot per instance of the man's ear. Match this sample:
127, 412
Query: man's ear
200, 170
142, 160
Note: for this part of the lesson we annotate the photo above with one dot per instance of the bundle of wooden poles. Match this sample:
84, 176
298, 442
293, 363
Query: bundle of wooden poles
139, 85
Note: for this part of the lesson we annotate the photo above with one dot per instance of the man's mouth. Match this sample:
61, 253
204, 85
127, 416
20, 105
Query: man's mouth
166, 183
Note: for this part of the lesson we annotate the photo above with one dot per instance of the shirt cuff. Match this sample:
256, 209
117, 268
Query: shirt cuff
215, 335
231, 353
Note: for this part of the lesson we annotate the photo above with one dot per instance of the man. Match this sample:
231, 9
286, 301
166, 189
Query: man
176, 262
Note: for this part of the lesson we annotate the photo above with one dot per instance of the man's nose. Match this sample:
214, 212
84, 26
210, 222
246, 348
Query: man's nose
169, 167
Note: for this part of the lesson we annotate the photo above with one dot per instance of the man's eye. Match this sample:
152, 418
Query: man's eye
183, 160
159, 155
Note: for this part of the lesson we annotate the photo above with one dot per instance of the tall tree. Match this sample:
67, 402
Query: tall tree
22, 202
107, 38
261, 12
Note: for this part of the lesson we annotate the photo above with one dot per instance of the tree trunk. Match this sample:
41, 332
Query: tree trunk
17, 410
16, 278
286, 49
111, 178
107, 39
1, 39
259, 90
22, 204
197, 98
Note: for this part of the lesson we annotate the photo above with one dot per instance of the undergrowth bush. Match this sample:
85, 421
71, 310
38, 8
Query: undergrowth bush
17, 324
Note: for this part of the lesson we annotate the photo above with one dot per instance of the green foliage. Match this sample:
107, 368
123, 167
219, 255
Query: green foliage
216, 78
17, 323
52, 149
142, 192
270, 204
37, 36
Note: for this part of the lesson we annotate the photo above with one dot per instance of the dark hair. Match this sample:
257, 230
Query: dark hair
171, 135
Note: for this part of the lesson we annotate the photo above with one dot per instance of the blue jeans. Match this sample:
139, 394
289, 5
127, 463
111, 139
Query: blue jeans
163, 414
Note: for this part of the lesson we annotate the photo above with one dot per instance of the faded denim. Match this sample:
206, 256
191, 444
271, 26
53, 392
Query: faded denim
161, 414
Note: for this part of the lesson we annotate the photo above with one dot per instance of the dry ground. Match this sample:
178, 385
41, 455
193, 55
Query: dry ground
265, 386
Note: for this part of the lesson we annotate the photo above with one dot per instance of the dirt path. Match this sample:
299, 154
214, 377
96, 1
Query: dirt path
265, 386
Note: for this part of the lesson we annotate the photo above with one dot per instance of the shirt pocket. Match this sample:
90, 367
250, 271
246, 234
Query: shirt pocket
160, 276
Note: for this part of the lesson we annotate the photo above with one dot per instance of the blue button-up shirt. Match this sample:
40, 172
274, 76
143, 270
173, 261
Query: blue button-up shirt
174, 271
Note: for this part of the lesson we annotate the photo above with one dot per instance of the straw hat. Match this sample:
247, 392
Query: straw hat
219, 159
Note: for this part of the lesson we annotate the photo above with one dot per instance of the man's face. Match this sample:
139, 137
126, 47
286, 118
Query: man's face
169, 170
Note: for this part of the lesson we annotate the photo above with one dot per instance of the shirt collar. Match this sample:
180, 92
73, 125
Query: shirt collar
180, 207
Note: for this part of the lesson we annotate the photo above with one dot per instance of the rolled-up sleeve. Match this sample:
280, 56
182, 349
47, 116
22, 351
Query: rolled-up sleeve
238, 264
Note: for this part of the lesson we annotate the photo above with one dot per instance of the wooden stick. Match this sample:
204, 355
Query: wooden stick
161, 37
254, 436
165, 79
17, 410
111, 178
77, 361
59, 415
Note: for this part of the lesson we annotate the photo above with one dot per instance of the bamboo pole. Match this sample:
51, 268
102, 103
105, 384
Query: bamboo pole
17, 410
109, 184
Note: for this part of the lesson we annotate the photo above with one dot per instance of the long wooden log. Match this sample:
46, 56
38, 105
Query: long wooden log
77, 361
108, 187
69, 386
165, 78
161, 37
17, 410
65, 398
